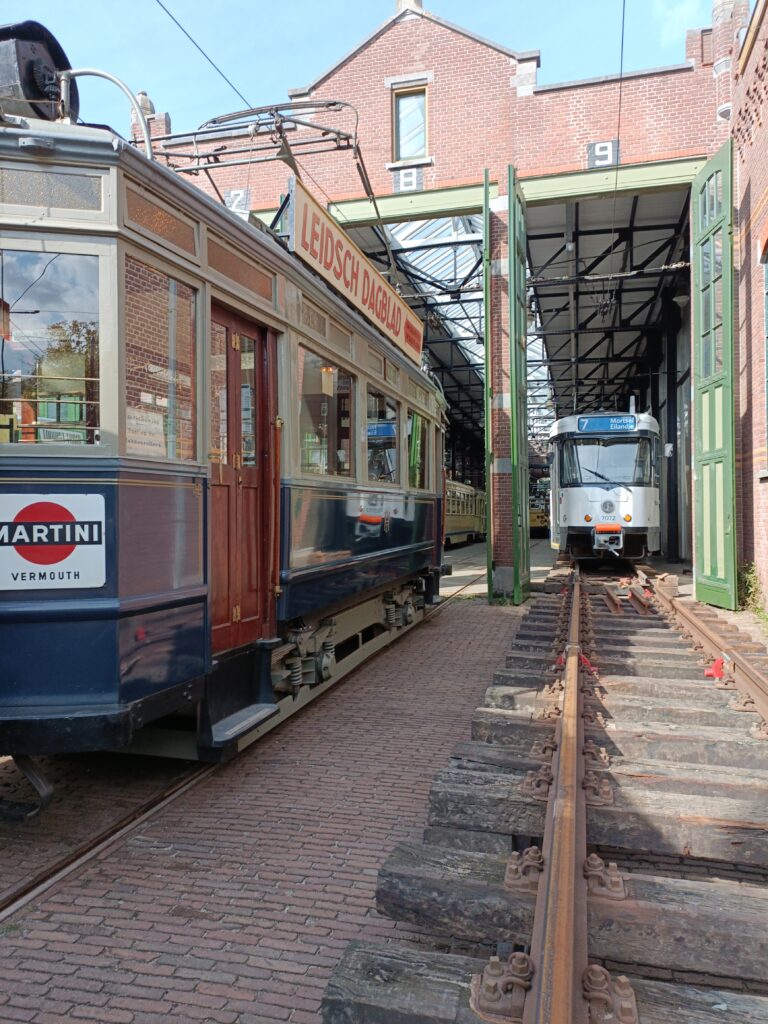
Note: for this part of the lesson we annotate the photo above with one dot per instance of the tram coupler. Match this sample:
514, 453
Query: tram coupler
14, 810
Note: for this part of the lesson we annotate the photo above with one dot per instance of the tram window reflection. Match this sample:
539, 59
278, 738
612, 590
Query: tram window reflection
382, 418
417, 450
49, 348
325, 416
160, 410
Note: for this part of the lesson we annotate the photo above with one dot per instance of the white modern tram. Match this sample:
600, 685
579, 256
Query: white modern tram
605, 485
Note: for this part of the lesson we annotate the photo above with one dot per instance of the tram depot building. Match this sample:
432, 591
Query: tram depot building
604, 239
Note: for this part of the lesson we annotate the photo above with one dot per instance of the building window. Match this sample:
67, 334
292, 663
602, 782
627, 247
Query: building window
325, 416
410, 121
49, 348
382, 419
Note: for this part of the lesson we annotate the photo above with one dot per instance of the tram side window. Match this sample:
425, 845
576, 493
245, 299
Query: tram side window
382, 419
325, 416
656, 464
417, 450
160, 414
49, 348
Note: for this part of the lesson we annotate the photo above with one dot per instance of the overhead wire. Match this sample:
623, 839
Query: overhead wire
34, 282
197, 46
618, 131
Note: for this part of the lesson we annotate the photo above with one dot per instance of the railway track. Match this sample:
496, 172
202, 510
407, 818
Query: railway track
56, 867
599, 847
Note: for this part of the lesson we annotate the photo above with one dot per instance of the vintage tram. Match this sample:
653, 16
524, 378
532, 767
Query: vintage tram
465, 513
220, 485
605, 485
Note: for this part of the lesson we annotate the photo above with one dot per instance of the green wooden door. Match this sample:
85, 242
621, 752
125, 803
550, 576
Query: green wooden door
518, 419
713, 422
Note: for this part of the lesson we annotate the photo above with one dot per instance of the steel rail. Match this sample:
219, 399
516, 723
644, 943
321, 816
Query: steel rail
559, 939
746, 676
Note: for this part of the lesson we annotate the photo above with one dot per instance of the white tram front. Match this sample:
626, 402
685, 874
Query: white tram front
605, 485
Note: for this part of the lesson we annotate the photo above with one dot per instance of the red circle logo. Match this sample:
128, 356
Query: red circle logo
50, 513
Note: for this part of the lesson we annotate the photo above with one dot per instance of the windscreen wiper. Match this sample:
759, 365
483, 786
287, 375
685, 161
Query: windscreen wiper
607, 480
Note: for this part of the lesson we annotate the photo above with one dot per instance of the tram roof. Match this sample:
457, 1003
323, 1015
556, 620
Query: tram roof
100, 145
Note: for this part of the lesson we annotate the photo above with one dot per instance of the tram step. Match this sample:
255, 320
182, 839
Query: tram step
229, 728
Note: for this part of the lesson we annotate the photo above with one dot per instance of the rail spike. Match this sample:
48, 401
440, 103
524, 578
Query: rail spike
744, 702
598, 789
498, 994
543, 750
537, 784
524, 869
609, 1000
607, 882
594, 755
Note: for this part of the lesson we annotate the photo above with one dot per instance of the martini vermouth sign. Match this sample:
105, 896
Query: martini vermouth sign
51, 541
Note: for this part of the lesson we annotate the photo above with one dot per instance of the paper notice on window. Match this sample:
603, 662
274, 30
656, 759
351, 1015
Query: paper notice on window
145, 432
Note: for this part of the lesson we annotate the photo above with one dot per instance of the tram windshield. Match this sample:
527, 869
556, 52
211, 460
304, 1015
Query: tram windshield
612, 460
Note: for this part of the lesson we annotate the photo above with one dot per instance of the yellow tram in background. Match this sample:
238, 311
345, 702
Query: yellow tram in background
464, 513
538, 506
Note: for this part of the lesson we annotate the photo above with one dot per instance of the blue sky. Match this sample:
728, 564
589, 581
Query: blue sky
265, 49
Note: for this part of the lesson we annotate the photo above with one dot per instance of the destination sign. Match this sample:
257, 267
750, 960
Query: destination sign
606, 424
319, 241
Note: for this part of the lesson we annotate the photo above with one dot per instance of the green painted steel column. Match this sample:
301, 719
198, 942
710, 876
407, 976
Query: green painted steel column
714, 465
488, 391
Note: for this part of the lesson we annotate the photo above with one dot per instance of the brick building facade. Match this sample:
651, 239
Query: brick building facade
750, 135
485, 110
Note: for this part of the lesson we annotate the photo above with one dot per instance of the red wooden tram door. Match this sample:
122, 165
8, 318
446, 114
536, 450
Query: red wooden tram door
242, 396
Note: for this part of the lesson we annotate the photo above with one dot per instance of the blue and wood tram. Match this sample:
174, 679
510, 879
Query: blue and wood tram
220, 485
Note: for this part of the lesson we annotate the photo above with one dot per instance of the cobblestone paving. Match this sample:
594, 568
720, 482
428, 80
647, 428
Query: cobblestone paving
234, 903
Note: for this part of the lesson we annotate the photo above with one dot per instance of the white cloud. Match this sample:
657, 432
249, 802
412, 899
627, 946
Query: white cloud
674, 17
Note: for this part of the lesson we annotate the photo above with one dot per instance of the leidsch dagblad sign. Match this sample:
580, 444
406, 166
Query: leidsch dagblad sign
318, 240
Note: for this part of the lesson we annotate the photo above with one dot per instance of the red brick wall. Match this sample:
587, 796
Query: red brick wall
664, 116
750, 98
500, 485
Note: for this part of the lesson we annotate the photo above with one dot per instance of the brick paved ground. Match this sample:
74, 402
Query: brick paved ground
235, 902
92, 792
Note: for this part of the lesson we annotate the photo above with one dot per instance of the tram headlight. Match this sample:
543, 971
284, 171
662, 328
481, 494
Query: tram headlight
587, 519
627, 518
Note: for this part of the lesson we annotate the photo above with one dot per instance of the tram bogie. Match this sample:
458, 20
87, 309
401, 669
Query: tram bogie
604, 498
